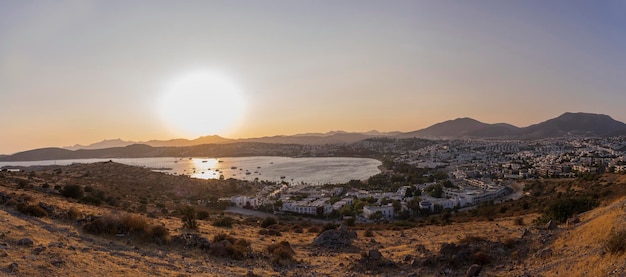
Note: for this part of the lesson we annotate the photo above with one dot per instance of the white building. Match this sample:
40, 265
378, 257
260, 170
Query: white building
386, 211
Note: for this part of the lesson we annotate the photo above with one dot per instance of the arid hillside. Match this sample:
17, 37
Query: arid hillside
44, 233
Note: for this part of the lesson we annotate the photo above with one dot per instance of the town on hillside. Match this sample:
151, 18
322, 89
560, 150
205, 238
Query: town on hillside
421, 177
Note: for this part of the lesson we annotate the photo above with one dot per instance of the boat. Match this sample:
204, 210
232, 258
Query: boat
233, 167
282, 177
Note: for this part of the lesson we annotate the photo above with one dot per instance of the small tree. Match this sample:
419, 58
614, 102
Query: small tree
188, 216
72, 191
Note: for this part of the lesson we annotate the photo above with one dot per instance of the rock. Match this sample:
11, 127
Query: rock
551, 225
38, 250
341, 237
374, 255
192, 240
13, 267
57, 262
526, 233
473, 270
26, 242
572, 221
544, 253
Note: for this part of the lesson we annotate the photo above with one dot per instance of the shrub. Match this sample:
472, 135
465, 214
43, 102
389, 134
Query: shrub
202, 215
469, 239
481, 258
510, 243
72, 191
74, 213
226, 222
32, 210
90, 200
329, 226
11, 203
519, 221
369, 233
268, 221
281, 252
235, 248
134, 223
159, 234
188, 216
270, 232
313, 229
616, 242
221, 236
562, 209
103, 225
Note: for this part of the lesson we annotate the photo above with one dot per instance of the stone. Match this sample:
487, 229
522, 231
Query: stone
572, 221
57, 262
13, 267
544, 253
551, 225
341, 237
26, 242
38, 250
473, 270
374, 255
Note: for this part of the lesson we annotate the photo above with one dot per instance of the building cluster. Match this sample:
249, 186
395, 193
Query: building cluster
479, 171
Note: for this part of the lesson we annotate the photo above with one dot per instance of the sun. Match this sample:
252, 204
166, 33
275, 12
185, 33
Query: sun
202, 103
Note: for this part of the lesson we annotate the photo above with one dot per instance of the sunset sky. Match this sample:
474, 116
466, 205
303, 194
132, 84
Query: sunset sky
83, 71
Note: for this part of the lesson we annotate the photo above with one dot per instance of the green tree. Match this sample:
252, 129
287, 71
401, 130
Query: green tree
188, 217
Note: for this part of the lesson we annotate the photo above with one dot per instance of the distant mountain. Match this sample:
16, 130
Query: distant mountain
463, 127
568, 124
333, 137
575, 124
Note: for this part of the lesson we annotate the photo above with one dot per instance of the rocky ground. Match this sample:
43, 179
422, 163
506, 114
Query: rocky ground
58, 245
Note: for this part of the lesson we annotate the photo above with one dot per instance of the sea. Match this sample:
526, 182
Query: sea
309, 170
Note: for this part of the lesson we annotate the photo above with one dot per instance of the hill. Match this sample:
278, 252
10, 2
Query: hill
464, 127
574, 124
334, 137
65, 242
567, 124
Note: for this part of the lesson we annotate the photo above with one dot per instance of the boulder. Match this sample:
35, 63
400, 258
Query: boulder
341, 237
26, 242
374, 255
473, 270
551, 225
544, 253
572, 221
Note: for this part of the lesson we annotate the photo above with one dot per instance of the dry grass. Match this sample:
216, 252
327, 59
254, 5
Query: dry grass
578, 251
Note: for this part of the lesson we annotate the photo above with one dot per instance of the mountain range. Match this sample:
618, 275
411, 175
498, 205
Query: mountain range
567, 124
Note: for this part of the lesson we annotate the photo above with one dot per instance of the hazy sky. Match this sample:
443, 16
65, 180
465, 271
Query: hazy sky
82, 71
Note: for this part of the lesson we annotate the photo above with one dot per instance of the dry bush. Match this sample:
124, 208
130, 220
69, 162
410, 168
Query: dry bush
234, 248
134, 223
481, 258
159, 234
32, 210
616, 242
281, 252
11, 203
24, 198
519, 221
270, 232
313, 229
74, 213
268, 221
226, 222
368, 233
222, 236
510, 243
469, 239
103, 225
